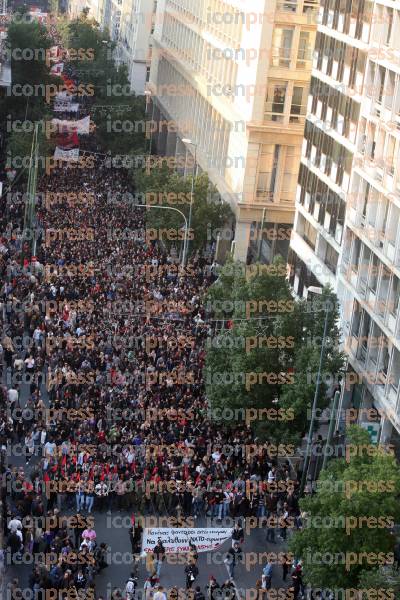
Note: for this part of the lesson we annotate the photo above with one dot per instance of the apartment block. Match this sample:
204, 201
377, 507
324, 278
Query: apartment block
234, 79
94, 7
346, 230
134, 22
130, 24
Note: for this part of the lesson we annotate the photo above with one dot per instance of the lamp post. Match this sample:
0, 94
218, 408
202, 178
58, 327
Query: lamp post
332, 418
194, 173
147, 93
316, 290
168, 208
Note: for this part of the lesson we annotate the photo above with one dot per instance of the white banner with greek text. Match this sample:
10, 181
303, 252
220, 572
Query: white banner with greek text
176, 540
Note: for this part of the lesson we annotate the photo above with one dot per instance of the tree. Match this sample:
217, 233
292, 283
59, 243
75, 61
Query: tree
267, 356
352, 513
54, 6
28, 43
20, 145
380, 579
120, 127
119, 115
167, 188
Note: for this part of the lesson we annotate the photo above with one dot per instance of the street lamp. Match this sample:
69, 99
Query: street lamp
319, 291
194, 173
166, 208
147, 93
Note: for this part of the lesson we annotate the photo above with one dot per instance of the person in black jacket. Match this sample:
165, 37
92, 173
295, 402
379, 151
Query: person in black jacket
237, 534
233, 557
198, 594
158, 556
191, 573
213, 589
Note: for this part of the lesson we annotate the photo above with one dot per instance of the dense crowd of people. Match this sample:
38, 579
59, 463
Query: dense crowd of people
108, 334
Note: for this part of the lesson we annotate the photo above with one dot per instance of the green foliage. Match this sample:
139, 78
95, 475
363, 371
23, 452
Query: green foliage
175, 192
280, 337
358, 486
54, 6
115, 103
24, 37
380, 579
20, 145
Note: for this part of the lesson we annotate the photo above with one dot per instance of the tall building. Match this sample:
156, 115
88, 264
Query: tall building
130, 23
234, 79
346, 230
95, 9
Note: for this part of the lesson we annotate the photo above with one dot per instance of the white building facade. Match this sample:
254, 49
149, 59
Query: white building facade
233, 77
346, 230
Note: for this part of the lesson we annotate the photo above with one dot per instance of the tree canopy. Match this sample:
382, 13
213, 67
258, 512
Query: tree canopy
348, 528
266, 355
164, 187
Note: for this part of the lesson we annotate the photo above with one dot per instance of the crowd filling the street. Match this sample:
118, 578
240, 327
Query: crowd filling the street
129, 470
109, 422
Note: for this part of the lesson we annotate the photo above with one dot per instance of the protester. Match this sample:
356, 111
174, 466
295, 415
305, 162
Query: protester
191, 572
158, 556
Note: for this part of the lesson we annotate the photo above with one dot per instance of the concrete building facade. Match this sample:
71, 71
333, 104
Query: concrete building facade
130, 24
234, 78
346, 230
136, 23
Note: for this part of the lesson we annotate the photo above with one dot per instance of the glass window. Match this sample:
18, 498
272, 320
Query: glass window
275, 103
287, 5
282, 47
299, 103
304, 51
267, 171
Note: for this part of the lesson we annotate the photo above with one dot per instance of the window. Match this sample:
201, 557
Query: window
299, 104
282, 47
310, 234
290, 175
331, 258
269, 161
389, 25
275, 104
310, 6
304, 51
389, 154
373, 276
394, 296
287, 5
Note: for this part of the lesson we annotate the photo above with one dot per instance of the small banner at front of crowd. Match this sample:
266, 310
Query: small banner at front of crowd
176, 540
57, 69
82, 126
60, 154
66, 107
63, 97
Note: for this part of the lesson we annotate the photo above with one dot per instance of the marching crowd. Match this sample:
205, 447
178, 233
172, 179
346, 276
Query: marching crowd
108, 333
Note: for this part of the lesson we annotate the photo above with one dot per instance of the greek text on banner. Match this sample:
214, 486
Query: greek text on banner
177, 540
